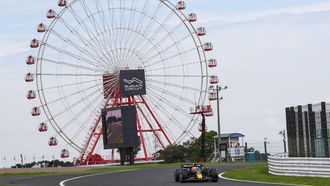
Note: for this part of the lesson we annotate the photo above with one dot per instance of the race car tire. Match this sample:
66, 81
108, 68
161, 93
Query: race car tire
177, 175
213, 173
183, 175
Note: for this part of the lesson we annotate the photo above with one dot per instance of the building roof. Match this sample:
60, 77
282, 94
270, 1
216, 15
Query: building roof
231, 135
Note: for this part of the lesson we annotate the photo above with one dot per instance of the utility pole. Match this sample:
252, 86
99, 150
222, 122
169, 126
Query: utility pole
218, 98
202, 154
218, 115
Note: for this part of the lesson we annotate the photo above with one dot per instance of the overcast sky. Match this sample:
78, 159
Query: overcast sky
272, 53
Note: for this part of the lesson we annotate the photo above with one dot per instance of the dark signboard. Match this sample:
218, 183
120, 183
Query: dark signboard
223, 146
119, 127
132, 82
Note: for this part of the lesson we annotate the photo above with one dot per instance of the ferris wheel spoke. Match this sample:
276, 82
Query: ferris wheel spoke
174, 44
71, 65
82, 50
97, 92
70, 95
157, 112
172, 94
113, 24
109, 32
160, 107
130, 27
148, 25
185, 130
153, 81
167, 36
122, 24
173, 66
170, 57
83, 125
176, 75
53, 74
92, 20
95, 46
147, 61
102, 18
75, 56
154, 35
93, 38
68, 85
139, 24
169, 103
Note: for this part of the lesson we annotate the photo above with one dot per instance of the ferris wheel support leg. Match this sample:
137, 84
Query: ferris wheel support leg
158, 123
89, 139
152, 128
101, 130
141, 133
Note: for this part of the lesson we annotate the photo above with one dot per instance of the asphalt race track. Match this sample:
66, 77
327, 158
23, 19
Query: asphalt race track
147, 177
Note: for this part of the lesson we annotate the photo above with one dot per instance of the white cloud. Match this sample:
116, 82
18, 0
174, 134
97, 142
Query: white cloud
256, 15
12, 44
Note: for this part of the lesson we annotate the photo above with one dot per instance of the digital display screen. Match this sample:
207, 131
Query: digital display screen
119, 127
114, 125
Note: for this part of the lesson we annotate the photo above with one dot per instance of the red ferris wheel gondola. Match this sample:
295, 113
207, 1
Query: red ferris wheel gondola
31, 94
30, 60
43, 127
41, 28
208, 46
181, 5
192, 17
214, 79
35, 111
65, 153
201, 31
51, 14
52, 141
34, 43
29, 77
62, 3
212, 63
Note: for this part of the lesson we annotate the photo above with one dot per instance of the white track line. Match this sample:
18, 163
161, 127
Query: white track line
247, 181
62, 183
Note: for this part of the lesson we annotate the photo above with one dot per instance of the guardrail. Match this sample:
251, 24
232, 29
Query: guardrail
282, 165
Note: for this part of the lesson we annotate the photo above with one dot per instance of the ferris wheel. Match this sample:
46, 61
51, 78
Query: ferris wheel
74, 73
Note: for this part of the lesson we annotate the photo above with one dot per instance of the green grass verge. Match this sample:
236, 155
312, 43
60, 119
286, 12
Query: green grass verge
260, 173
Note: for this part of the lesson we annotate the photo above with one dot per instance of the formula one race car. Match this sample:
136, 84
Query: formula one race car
195, 173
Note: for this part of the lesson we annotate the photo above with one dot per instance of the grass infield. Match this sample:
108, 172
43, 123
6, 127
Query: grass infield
260, 173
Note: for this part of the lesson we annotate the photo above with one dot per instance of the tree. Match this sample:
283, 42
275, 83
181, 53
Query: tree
189, 151
174, 153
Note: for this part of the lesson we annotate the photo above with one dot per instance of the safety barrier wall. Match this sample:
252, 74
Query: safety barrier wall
282, 165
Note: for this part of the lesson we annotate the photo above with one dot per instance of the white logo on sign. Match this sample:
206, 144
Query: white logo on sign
134, 84
136, 80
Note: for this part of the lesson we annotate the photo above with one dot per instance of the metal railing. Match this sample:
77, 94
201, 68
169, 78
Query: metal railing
282, 165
